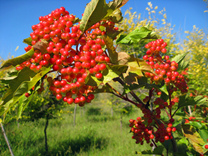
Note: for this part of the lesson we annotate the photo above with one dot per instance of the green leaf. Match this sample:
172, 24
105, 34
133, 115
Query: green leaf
204, 134
23, 75
18, 87
159, 150
164, 89
108, 74
117, 4
20, 106
115, 16
136, 36
113, 55
97, 10
136, 67
18, 60
186, 100
183, 141
196, 124
179, 58
112, 33
23, 103
28, 41
104, 89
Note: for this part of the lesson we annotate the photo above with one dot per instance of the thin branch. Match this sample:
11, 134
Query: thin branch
131, 92
174, 112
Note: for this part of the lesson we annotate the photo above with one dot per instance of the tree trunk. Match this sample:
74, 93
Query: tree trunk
112, 111
7, 141
75, 110
121, 122
45, 132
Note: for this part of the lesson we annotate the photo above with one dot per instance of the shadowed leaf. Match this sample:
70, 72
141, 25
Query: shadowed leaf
113, 55
186, 100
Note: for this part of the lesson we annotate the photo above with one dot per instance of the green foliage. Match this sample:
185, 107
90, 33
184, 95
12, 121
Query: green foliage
89, 137
136, 36
123, 74
40, 106
93, 13
186, 100
26, 79
28, 41
17, 60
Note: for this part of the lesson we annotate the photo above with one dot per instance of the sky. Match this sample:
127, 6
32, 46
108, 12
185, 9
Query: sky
17, 17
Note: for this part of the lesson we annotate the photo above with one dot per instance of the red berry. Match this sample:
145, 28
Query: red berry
27, 94
99, 75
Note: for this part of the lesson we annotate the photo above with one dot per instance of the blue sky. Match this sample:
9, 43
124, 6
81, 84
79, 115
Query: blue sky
17, 17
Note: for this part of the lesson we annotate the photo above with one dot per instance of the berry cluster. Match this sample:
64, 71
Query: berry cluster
71, 53
164, 68
142, 133
151, 126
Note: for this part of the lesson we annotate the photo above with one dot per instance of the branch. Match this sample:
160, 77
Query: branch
131, 92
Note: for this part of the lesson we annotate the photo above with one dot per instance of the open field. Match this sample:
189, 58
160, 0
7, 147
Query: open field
96, 133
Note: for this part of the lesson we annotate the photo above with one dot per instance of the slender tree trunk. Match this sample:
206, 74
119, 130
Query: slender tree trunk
45, 132
7, 141
18, 124
75, 110
112, 111
121, 122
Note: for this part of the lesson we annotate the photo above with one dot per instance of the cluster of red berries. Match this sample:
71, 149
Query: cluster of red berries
164, 68
71, 53
142, 133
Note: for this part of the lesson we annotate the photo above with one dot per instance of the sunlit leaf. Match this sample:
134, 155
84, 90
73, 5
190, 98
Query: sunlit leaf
110, 73
18, 60
136, 36
19, 86
204, 134
97, 10
28, 41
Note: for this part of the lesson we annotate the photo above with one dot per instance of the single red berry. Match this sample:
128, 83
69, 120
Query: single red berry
99, 75
27, 94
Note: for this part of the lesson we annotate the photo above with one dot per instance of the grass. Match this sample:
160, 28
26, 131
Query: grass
96, 133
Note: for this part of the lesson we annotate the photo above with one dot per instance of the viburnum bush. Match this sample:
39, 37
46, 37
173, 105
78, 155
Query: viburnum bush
78, 58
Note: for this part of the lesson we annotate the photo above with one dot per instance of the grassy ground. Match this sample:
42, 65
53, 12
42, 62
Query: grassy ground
96, 133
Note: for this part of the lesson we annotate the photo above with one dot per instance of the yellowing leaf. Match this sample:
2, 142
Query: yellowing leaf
194, 138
